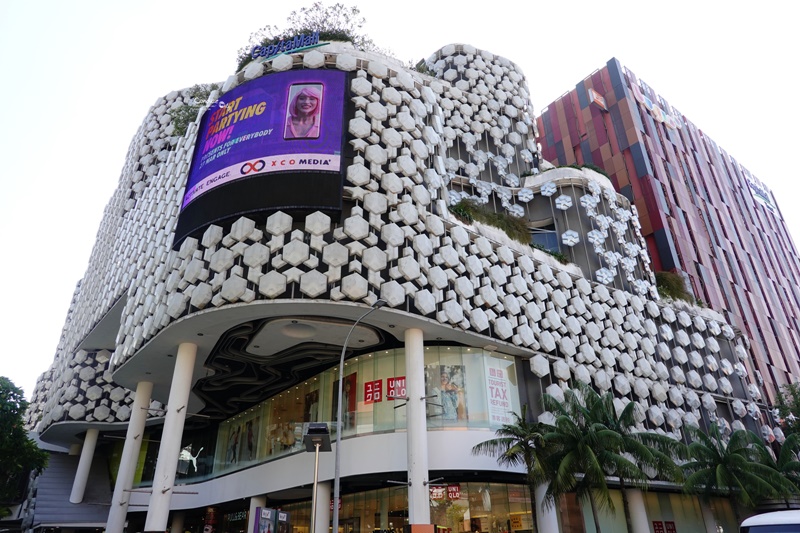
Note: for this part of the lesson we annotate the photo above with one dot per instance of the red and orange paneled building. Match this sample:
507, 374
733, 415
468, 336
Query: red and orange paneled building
703, 214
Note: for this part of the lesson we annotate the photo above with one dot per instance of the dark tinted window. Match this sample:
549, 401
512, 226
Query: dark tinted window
783, 528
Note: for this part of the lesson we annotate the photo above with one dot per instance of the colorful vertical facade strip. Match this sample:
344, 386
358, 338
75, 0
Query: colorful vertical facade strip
703, 214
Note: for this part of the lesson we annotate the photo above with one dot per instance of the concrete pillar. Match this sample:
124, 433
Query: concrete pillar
384, 526
546, 516
639, 519
419, 509
130, 456
176, 526
84, 466
253, 515
708, 516
323, 523
168, 452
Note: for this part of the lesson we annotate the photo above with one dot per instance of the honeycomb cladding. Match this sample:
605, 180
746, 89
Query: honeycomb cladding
137, 213
421, 143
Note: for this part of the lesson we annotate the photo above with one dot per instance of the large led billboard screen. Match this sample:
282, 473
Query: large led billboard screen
272, 143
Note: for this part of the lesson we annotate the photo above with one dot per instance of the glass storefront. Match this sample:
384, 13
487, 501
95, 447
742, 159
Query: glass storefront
466, 387
459, 507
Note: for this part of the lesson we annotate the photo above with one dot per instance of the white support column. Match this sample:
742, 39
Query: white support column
176, 525
546, 516
84, 466
253, 516
708, 516
167, 463
639, 519
419, 507
323, 507
130, 456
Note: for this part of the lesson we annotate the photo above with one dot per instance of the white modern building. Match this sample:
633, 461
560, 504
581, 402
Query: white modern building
234, 260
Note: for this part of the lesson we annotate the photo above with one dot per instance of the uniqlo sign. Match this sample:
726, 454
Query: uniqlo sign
437, 493
454, 492
396, 387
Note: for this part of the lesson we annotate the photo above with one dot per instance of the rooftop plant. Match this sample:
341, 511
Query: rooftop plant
187, 113
334, 23
672, 285
469, 211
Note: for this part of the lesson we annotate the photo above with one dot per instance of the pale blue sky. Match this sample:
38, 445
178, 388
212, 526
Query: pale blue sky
76, 79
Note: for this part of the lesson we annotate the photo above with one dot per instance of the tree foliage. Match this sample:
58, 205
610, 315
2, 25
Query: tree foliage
787, 463
672, 285
520, 443
334, 23
184, 115
469, 211
18, 454
738, 468
517, 444
788, 407
591, 441
649, 452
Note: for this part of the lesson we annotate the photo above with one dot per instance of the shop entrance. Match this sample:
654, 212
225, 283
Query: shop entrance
349, 525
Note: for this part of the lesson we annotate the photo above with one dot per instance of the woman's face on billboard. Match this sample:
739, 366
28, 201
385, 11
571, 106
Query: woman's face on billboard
306, 104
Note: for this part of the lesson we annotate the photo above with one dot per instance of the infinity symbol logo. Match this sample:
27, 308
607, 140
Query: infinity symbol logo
249, 167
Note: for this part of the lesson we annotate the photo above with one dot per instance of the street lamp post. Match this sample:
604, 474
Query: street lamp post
317, 439
336, 475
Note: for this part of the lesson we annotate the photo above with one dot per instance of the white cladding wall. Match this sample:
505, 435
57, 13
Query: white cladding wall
421, 143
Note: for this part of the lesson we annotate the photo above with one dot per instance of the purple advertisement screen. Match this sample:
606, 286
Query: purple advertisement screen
291, 121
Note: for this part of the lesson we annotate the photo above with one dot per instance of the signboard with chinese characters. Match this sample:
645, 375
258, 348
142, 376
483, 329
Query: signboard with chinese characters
438, 492
497, 391
373, 391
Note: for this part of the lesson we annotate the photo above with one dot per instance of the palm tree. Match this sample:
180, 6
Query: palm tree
595, 441
649, 451
737, 468
583, 449
520, 443
788, 462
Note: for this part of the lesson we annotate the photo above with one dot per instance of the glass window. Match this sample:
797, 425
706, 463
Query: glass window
468, 507
466, 387
545, 238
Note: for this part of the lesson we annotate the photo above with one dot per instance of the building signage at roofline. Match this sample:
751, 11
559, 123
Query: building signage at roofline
295, 44
760, 192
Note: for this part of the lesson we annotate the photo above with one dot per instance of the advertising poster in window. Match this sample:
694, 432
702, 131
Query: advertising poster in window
250, 438
241, 441
445, 383
498, 393
284, 522
311, 407
233, 444
290, 121
266, 520
348, 401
